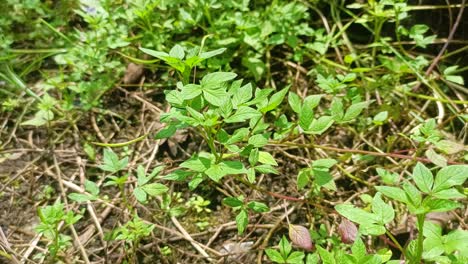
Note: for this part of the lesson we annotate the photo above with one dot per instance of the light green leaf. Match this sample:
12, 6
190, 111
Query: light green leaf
154, 189
242, 220
320, 125
450, 176
243, 114
354, 110
177, 52
394, 193
157, 54
140, 195
423, 178
266, 158
382, 210
212, 53
356, 215
242, 95
91, 187
295, 102
258, 141
275, 100
448, 194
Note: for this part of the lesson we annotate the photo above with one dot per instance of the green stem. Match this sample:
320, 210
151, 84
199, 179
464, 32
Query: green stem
395, 241
419, 249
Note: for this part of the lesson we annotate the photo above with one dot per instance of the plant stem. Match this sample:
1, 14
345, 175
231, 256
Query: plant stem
419, 249
394, 240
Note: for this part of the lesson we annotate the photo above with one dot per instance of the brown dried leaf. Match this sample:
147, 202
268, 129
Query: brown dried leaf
347, 231
300, 237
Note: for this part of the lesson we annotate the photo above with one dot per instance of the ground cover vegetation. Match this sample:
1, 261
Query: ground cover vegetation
209, 131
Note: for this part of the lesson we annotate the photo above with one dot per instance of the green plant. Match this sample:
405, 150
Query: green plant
285, 254
144, 188
427, 194
132, 233
52, 217
242, 218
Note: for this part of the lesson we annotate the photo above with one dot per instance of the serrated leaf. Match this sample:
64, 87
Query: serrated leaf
242, 95
158, 54
215, 97
154, 189
266, 158
232, 202
91, 187
81, 197
300, 237
320, 125
140, 195
450, 176
295, 102
436, 158
258, 207
242, 220
448, 194
214, 79
212, 53
198, 164
354, 110
177, 52
302, 179
274, 255
243, 114
356, 215
382, 210
275, 100
394, 193
423, 178
258, 141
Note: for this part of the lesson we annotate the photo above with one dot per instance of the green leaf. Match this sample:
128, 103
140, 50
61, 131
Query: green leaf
302, 179
191, 91
140, 195
242, 95
296, 257
91, 187
284, 246
383, 211
274, 255
266, 158
232, 202
450, 176
413, 194
238, 135
157, 54
266, 169
155, 189
215, 79
394, 193
198, 164
387, 177
81, 197
242, 220
178, 175
209, 54
258, 141
112, 163
436, 158
324, 163
275, 100
354, 110
295, 102
356, 215
258, 207
320, 125
324, 179
359, 249
215, 97
327, 257
243, 114
177, 52
423, 178
448, 194
439, 205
